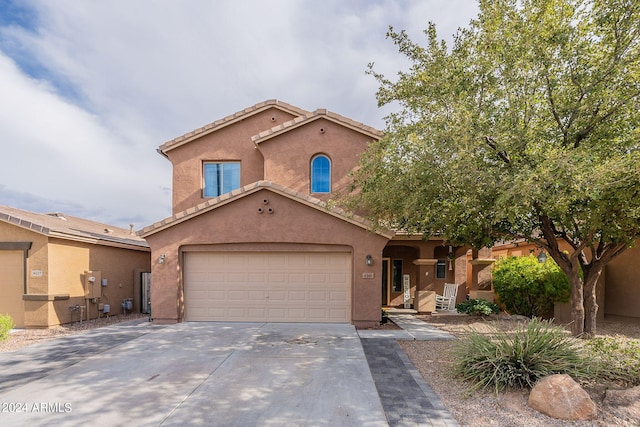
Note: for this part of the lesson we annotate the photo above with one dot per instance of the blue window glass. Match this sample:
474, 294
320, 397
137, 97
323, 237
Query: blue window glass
220, 178
321, 174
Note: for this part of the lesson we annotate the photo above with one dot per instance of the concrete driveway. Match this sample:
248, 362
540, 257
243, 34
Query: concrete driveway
218, 374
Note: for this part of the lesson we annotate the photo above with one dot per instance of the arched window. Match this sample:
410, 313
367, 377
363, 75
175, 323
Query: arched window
320, 174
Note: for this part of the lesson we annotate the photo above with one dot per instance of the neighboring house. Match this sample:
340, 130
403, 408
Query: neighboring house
47, 262
253, 239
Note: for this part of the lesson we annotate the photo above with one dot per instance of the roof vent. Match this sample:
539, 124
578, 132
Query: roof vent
108, 230
57, 215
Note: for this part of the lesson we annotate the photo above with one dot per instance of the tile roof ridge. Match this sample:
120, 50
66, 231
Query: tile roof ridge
231, 118
314, 115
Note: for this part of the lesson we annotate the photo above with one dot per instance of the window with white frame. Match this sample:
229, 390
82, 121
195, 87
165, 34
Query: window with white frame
320, 174
220, 178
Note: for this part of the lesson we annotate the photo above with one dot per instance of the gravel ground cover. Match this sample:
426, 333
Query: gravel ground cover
23, 337
484, 408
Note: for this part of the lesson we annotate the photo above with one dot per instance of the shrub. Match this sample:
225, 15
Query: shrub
6, 324
518, 359
614, 360
384, 317
529, 288
478, 307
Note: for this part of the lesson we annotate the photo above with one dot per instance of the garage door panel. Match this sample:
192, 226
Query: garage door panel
297, 314
319, 315
256, 295
317, 278
239, 295
213, 294
237, 277
335, 296
256, 313
277, 314
300, 278
337, 278
200, 294
256, 259
257, 277
277, 287
276, 278
336, 314
297, 295
277, 260
277, 296
317, 296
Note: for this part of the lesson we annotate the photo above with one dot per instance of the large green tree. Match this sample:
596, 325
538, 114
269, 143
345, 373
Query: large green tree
527, 127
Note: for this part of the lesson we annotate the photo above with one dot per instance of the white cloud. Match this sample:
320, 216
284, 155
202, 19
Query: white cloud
123, 77
57, 151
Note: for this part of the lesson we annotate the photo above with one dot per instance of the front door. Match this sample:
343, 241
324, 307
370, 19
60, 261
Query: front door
386, 280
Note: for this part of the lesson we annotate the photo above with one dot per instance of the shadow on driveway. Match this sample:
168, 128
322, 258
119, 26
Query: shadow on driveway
226, 374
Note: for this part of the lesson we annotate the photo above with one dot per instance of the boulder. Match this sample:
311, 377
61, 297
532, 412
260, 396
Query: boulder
559, 396
624, 404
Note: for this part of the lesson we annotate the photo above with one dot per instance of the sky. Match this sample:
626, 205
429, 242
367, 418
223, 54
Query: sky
90, 89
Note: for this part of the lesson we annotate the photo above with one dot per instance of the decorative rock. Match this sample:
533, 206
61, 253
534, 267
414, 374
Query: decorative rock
624, 404
559, 396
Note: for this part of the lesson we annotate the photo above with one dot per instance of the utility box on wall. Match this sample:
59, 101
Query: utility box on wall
92, 284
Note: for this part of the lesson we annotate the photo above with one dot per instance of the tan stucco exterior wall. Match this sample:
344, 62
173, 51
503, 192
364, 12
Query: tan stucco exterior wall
287, 157
37, 260
12, 285
623, 284
291, 224
37, 257
68, 263
231, 143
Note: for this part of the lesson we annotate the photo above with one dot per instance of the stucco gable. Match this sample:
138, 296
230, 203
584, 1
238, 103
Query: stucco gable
72, 228
316, 115
229, 120
253, 188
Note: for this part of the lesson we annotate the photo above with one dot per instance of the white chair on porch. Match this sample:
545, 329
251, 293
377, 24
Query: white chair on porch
447, 301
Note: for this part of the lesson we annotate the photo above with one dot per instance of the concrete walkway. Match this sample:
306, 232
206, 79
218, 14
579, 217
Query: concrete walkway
406, 398
412, 329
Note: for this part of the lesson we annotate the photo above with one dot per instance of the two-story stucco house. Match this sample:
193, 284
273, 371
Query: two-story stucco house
251, 237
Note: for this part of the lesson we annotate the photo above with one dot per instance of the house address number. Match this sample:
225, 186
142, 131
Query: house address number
36, 273
367, 275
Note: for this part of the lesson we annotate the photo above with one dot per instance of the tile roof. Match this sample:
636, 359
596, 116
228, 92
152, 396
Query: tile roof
317, 114
250, 189
72, 228
226, 121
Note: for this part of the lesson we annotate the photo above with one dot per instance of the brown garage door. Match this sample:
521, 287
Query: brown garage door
12, 285
268, 286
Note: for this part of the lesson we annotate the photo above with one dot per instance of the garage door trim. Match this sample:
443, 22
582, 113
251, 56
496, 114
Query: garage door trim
268, 286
